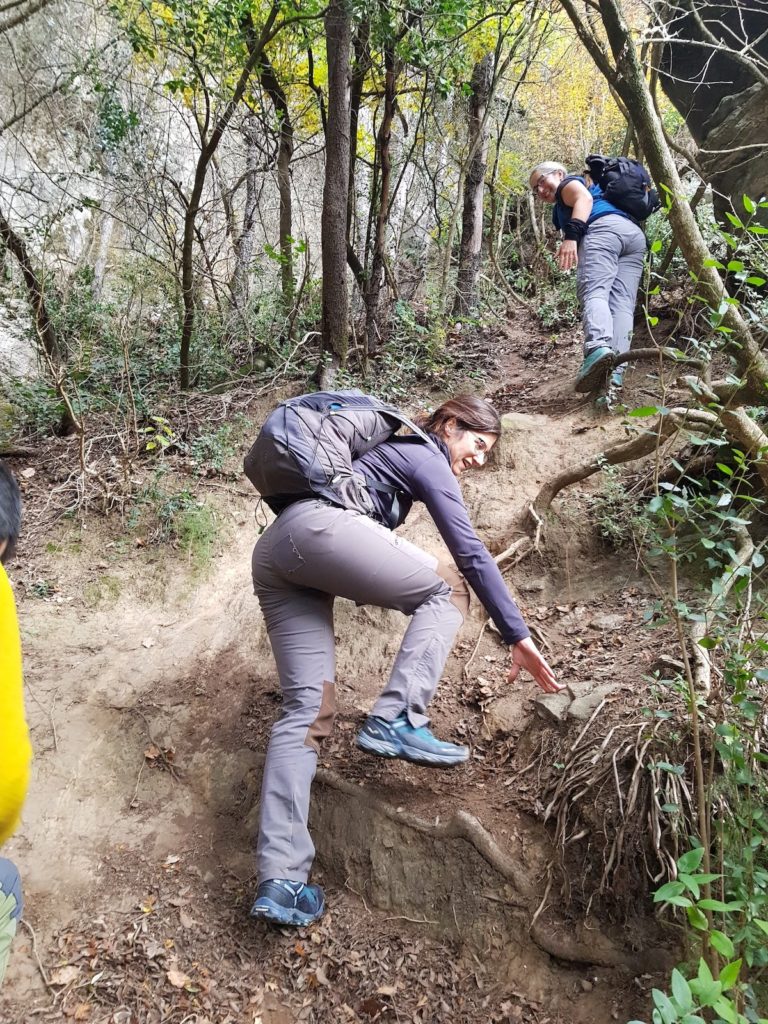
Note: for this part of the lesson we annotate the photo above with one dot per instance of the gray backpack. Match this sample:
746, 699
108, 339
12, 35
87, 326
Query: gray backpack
308, 444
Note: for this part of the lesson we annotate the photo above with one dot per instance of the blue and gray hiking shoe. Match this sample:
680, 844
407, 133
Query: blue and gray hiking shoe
284, 902
594, 369
403, 740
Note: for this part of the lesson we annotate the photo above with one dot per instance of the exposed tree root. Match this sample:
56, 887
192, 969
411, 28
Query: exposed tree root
461, 826
591, 947
662, 353
577, 945
635, 448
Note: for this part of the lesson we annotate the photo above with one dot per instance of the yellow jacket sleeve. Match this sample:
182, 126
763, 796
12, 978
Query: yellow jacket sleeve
15, 749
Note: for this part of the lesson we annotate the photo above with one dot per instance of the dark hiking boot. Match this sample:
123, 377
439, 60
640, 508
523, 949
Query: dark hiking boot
403, 740
594, 370
284, 902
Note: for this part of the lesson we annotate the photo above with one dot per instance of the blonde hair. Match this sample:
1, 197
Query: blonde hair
548, 167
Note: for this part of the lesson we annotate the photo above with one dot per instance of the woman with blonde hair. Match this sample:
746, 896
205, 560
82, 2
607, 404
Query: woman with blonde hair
607, 248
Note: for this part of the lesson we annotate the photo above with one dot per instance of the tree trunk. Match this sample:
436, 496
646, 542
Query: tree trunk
284, 156
472, 219
384, 160
448, 250
360, 68
50, 349
336, 189
240, 283
44, 328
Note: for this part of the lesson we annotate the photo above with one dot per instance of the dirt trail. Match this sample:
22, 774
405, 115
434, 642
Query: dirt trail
149, 715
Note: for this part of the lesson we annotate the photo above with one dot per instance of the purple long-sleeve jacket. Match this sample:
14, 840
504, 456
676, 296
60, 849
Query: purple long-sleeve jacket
422, 472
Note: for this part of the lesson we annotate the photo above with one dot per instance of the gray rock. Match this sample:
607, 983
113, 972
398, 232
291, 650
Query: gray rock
506, 716
608, 621
553, 706
580, 688
582, 708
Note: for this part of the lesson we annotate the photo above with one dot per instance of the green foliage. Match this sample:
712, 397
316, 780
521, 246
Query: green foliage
35, 408
415, 356
177, 517
215, 447
706, 525
618, 515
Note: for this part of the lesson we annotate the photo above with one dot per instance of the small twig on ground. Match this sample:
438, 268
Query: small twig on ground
522, 545
43, 974
470, 659
358, 894
135, 798
413, 920
537, 520
229, 490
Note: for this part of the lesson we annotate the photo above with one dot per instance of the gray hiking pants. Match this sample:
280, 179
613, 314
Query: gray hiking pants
312, 553
607, 278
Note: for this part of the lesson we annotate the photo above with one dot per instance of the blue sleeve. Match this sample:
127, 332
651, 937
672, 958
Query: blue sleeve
435, 485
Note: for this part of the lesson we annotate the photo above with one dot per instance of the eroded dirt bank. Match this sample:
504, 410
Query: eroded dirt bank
149, 714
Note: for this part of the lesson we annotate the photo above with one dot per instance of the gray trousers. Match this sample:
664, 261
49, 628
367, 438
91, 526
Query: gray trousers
311, 554
607, 278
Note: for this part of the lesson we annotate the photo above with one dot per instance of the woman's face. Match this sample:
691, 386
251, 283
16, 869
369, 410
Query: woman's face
544, 186
468, 449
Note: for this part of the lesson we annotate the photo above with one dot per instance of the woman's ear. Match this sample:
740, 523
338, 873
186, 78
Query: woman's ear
450, 426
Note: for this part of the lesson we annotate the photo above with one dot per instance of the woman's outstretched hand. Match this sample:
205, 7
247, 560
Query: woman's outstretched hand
525, 654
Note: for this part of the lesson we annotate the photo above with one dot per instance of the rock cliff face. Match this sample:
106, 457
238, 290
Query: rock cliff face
705, 73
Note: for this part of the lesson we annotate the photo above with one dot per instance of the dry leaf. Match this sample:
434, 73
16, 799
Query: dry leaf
152, 752
178, 978
82, 1011
64, 975
386, 990
321, 977
186, 920
27, 473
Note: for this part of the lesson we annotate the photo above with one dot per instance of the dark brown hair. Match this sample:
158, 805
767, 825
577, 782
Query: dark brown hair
470, 413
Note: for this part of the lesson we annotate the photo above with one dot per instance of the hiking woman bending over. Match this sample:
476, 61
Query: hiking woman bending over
314, 552
607, 248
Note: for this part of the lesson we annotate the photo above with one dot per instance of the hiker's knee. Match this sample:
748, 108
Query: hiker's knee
320, 728
460, 596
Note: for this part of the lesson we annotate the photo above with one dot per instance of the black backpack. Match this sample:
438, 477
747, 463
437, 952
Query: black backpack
625, 183
308, 444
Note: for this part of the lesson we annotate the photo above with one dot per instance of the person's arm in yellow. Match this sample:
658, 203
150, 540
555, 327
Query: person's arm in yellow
15, 750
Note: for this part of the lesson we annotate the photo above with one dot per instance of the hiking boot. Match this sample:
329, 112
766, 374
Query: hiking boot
609, 401
403, 740
594, 369
284, 902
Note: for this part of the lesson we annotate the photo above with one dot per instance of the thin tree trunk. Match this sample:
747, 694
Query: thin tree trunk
474, 188
384, 158
284, 156
448, 251
361, 66
44, 328
240, 282
336, 190
50, 350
